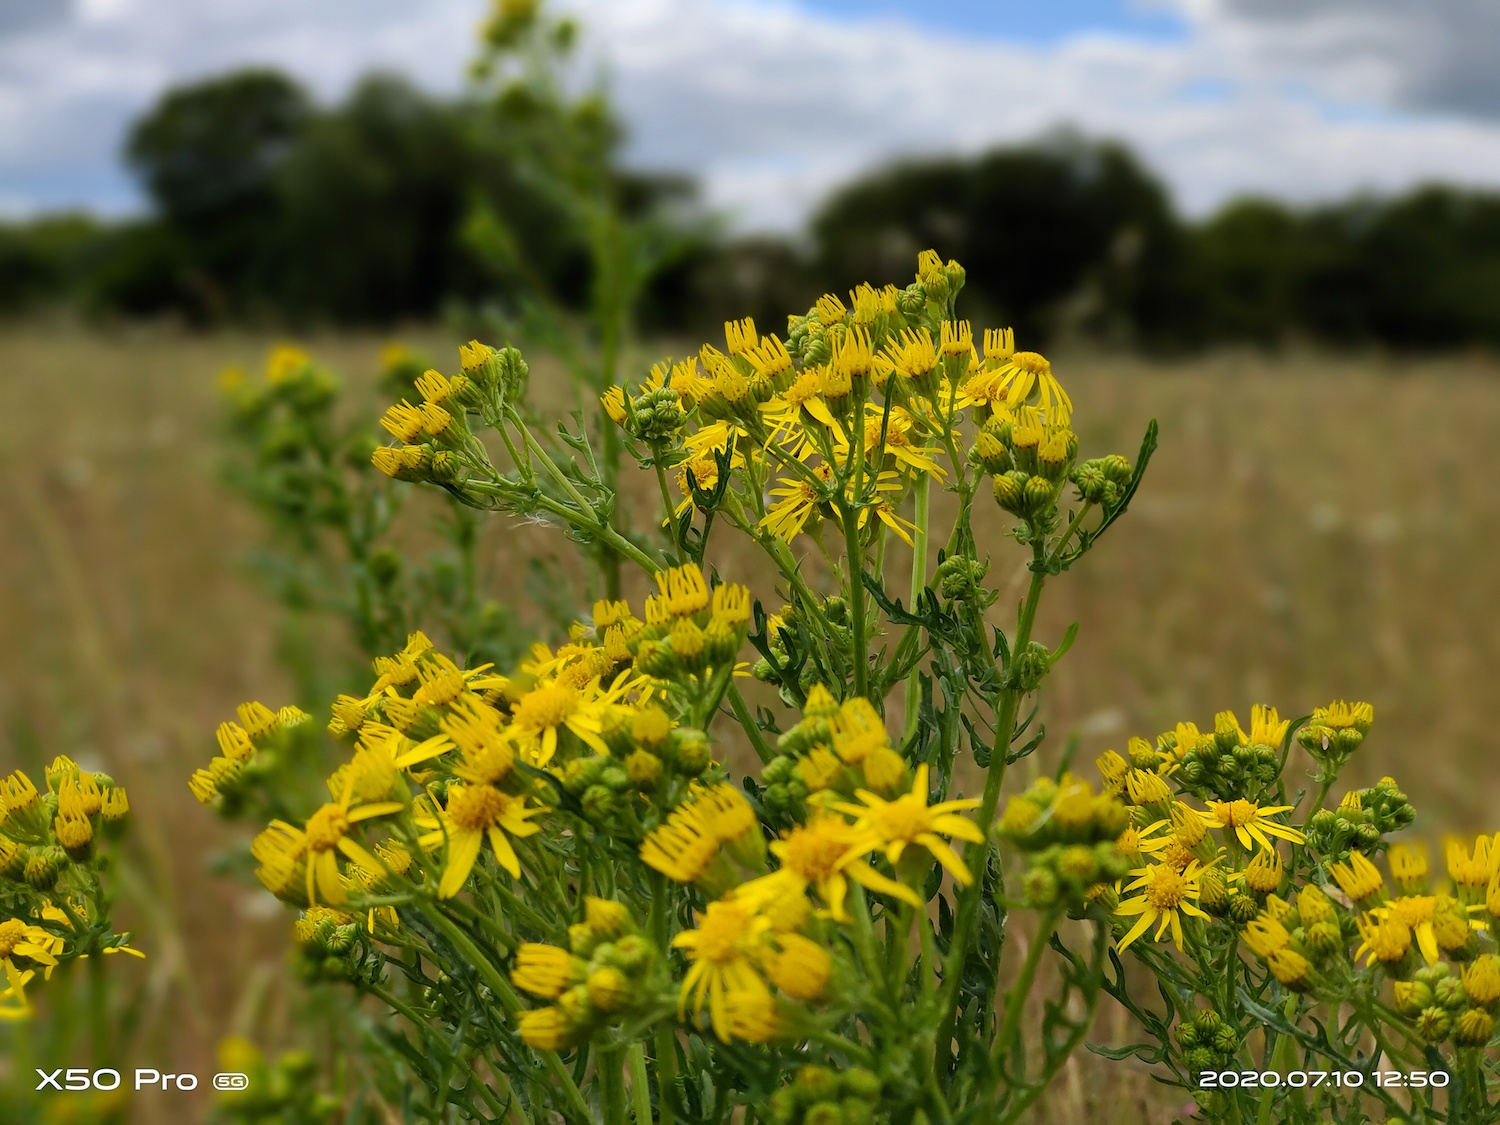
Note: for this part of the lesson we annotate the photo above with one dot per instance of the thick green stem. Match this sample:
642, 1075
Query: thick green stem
640, 1084
922, 493
611, 1074
977, 855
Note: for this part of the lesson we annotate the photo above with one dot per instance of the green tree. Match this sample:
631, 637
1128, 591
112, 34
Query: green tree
1054, 234
208, 154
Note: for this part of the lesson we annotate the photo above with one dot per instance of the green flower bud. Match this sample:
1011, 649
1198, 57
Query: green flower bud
1039, 495
598, 802
1208, 1022
1010, 491
614, 778
1434, 1024
43, 866
817, 1083
1324, 939
1040, 886
1200, 1059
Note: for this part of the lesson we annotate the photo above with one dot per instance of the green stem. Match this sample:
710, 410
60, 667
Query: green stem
1062, 543
640, 1088
1015, 1000
856, 597
668, 510
923, 497
666, 1039
752, 729
512, 1005
977, 855
611, 1076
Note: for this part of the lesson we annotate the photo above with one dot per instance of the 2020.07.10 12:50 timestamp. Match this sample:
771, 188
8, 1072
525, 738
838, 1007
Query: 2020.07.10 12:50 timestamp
1300, 1079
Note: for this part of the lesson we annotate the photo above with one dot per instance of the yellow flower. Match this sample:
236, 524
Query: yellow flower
1026, 372
722, 952
1359, 878
1145, 787
26, 940
910, 820
1266, 935
740, 336
1264, 872
1113, 768
1289, 967
1338, 715
1266, 727
1476, 868
472, 813
816, 854
683, 592
548, 708
488, 749
1165, 895
1251, 823
326, 834
682, 847
543, 970
1385, 940
799, 968
796, 501
546, 1029
1408, 866
1482, 980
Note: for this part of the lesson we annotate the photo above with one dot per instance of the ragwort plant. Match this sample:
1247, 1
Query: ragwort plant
568, 908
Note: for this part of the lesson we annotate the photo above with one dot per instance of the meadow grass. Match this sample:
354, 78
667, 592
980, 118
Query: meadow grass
1313, 527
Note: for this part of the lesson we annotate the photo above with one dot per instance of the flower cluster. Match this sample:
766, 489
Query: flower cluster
53, 906
544, 865
1070, 835
1329, 940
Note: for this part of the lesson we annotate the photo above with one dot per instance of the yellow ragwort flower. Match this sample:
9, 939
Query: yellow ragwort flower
1250, 823
722, 951
473, 813
1166, 894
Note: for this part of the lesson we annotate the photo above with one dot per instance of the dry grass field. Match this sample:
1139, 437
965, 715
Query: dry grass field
1313, 527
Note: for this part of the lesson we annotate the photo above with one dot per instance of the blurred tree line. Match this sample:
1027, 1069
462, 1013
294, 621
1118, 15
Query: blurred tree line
272, 209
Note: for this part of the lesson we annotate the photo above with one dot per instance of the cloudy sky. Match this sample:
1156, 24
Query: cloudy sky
772, 102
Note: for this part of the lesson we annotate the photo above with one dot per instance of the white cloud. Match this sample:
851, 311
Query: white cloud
772, 106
